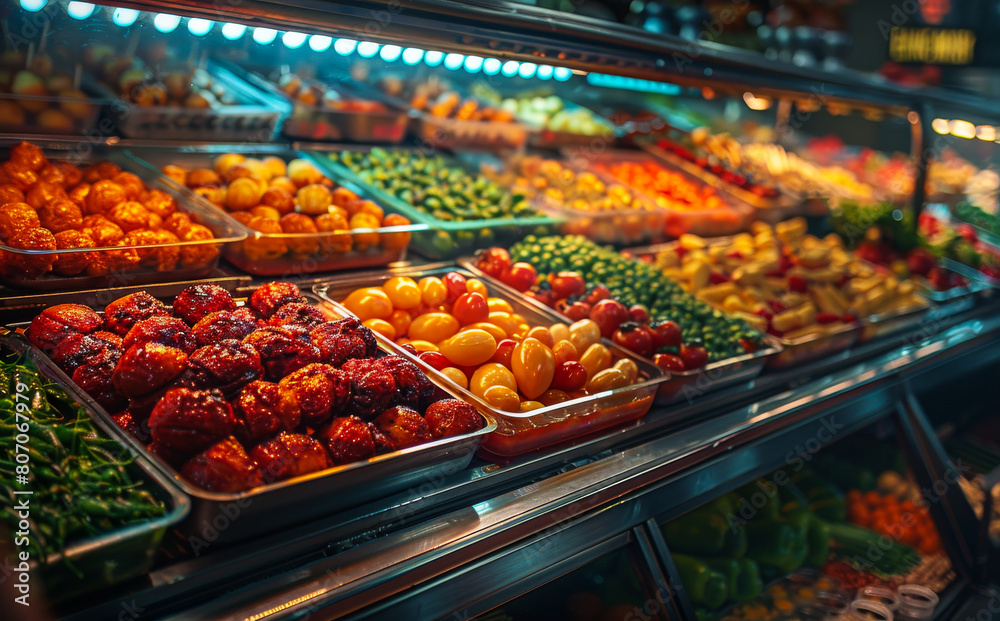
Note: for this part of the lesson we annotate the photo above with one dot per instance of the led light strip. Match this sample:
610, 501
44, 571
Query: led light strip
167, 23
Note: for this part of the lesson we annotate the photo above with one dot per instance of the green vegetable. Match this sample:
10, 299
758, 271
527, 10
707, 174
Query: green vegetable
729, 568
771, 509
825, 499
704, 586
872, 552
702, 531
80, 481
635, 282
818, 541
967, 212
749, 585
772, 543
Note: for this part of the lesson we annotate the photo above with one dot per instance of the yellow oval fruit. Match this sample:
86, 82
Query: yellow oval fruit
381, 326
533, 365
489, 375
468, 348
493, 329
543, 335
608, 379
369, 303
497, 305
629, 368
403, 292
595, 359
456, 376
433, 327
584, 333
527, 406
503, 398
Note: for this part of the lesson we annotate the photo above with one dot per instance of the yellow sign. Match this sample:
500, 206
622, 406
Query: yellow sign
936, 46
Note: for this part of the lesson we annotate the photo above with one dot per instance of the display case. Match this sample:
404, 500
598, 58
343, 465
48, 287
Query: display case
576, 522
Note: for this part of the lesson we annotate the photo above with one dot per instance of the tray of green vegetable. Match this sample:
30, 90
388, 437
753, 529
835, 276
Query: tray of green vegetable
97, 512
463, 209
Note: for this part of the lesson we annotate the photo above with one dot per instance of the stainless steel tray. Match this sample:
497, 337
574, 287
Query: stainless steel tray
118, 555
314, 122
452, 133
74, 152
520, 432
256, 118
685, 385
228, 517
807, 348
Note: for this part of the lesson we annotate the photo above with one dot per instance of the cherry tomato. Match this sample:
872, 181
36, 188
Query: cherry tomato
565, 284
503, 398
493, 261
634, 337
575, 311
694, 357
421, 346
400, 320
609, 314
495, 330
505, 349
470, 308
408, 347
669, 362
455, 286
474, 285
565, 351
432, 291
595, 359
469, 347
381, 326
608, 379
403, 292
499, 305
435, 359
569, 376
543, 335
628, 368
639, 314
552, 397
369, 303
504, 321
489, 375
559, 332
542, 297
527, 406
533, 365
596, 294
521, 276
583, 334
433, 327
455, 375
666, 334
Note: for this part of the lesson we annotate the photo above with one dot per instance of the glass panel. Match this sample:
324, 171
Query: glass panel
606, 589
836, 524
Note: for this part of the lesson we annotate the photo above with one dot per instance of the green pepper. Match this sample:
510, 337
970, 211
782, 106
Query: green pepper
749, 584
799, 520
818, 540
771, 542
704, 586
730, 570
704, 530
771, 509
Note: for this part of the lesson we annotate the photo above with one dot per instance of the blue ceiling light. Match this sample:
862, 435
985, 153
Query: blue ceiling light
80, 10
413, 55
33, 6
165, 22
433, 58
122, 17
510, 68
545, 72
320, 43
390, 53
453, 61
233, 31
527, 70
473, 63
293, 40
345, 47
200, 27
367, 49
264, 36
491, 66
562, 74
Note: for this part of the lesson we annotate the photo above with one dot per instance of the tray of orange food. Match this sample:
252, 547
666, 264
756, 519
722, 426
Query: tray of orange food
690, 205
75, 217
296, 219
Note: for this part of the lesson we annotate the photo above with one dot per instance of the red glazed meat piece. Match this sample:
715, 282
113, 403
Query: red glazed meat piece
227, 366
170, 456
415, 389
403, 427
224, 467
318, 391
290, 455
96, 381
263, 411
270, 297
169, 331
198, 301
222, 325
451, 417
297, 314
343, 340
123, 313
77, 350
137, 429
373, 388
189, 421
348, 439
283, 349
54, 324
144, 369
